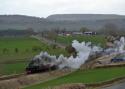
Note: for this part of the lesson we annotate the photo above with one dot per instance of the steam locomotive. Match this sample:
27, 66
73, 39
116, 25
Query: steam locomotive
31, 68
37, 65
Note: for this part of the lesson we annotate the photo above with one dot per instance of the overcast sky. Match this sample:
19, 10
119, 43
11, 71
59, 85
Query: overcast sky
43, 8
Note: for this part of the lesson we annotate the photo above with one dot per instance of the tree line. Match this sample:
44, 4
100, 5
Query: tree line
15, 32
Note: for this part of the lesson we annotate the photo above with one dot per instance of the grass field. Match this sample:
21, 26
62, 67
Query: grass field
15, 62
24, 46
80, 76
96, 39
14, 68
10, 59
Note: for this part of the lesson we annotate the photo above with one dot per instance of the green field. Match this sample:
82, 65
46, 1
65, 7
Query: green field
80, 76
24, 46
12, 62
96, 39
14, 68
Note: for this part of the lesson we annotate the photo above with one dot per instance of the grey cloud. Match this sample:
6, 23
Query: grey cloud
43, 8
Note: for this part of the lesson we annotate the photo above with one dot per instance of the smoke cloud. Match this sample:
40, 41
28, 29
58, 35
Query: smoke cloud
84, 50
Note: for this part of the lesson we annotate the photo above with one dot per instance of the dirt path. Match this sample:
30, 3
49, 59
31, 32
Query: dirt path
117, 86
120, 85
49, 41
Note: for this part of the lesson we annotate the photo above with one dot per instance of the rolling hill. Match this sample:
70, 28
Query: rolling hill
84, 17
68, 21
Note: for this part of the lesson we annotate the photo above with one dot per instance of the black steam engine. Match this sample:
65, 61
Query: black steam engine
37, 65
31, 68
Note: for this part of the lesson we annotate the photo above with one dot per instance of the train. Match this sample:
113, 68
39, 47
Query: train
118, 58
40, 64
30, 69
115, 60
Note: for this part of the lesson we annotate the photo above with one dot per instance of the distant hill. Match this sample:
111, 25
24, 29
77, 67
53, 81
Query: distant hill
20, 22
68, 21
81, 17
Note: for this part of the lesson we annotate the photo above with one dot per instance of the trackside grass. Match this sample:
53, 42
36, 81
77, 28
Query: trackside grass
80, 76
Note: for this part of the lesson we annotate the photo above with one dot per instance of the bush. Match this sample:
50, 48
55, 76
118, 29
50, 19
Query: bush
71, 50
36, 48
16, 50
5, 50
54, 46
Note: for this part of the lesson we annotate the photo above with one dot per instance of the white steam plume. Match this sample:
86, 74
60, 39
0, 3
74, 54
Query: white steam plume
84, 50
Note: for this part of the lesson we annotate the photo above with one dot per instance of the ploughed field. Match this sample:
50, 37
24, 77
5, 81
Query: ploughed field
16, 52
80, 76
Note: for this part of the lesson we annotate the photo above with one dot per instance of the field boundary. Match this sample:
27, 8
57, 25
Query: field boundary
11, 76
47, 41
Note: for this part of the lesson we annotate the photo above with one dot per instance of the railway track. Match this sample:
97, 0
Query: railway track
21, 80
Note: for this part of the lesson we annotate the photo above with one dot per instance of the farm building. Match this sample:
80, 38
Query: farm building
77, 33
90, 33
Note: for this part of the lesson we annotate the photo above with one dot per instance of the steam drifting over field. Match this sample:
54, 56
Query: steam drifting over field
84, 50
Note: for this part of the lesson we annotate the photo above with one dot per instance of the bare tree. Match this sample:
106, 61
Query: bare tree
110, 29
84, 29
52, 35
